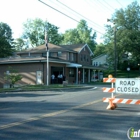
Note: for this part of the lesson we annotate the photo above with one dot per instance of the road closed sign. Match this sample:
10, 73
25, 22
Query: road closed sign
127, 86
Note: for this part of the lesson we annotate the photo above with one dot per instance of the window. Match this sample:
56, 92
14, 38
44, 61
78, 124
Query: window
81, 57
59, 53
71, 72
50, 54
44, 54
68, 56
84, 57
87, 58
72, 56
96, 63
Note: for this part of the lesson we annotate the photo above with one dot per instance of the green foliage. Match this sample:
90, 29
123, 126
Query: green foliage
123, 73
34, 33
19, 44
100, 49
13, 76
127, 24
6, 48
79, 35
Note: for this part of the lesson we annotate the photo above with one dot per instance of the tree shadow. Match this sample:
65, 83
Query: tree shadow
87, 123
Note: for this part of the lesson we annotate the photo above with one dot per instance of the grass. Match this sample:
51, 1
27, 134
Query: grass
46, 87
124, 74
38, 87
120, 74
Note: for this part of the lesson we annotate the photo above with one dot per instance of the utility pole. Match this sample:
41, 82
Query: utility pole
115, 50
115, 53
47, 53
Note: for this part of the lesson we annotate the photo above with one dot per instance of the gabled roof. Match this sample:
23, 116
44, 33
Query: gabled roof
98, 56
41, 48
77, 47
55, 48
91, 53
74, 47
13, 60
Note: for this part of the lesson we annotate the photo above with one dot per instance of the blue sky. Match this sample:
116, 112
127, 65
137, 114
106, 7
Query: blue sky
95, 12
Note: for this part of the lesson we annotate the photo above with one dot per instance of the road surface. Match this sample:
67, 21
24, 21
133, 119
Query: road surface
65, 115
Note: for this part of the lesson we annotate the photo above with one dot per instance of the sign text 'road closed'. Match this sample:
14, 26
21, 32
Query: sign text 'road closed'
127, 85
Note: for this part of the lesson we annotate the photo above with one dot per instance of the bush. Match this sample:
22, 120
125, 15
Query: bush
12, 76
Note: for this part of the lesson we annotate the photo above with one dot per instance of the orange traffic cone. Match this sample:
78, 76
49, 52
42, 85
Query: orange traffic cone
115, 103
111, 105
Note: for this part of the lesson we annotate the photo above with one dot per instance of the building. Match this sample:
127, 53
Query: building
100, 60
72, 61
100, 63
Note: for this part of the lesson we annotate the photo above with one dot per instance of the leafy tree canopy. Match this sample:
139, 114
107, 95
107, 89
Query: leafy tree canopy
100, 49
127, 23
6, 40
81, 34
34, 32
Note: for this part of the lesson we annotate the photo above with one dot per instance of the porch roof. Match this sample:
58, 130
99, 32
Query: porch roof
15, 60
93, 67
12, 60
74, 65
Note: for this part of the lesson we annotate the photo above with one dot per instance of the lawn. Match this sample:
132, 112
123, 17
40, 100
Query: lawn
38, 87
124, 74
120, 74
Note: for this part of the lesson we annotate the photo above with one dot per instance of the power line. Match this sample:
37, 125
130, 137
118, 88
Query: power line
120, 3
64, 14
77, 14
58, 11
60, 6
92, 5
109, 5
80, 14
104, 5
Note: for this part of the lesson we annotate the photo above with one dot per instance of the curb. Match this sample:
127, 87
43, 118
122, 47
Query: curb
51, 89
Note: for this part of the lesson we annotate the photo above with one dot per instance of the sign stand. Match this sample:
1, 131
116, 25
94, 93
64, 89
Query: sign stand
122, 86
111, 105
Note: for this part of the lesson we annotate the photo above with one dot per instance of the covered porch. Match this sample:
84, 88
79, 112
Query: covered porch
85, 74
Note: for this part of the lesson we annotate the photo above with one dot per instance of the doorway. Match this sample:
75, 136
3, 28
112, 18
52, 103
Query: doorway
56, 71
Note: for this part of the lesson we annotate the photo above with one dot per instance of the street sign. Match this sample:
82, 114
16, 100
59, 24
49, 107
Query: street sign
127, 85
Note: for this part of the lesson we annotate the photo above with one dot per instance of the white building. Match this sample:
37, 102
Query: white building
101, 63
100, 60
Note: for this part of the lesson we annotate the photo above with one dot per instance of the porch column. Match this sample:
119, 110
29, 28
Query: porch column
88, 75
83, 75
98, 74
76, 75
94, 75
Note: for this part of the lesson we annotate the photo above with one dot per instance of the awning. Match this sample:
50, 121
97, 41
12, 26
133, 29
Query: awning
74, 65
94, 67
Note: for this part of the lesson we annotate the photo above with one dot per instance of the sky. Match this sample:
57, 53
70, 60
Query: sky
95, 12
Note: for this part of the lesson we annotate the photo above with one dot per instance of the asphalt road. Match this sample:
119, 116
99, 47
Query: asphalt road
65, 115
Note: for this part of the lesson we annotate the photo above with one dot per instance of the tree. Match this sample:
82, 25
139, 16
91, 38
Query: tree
6, 40
127, 23
100, 49
34, 32
81, 34
12, 76
20, 44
